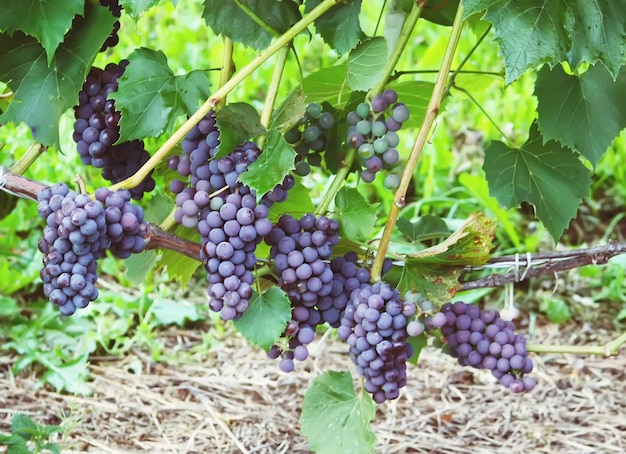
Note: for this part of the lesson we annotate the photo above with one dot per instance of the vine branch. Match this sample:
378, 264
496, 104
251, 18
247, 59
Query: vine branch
431, 113
608, 349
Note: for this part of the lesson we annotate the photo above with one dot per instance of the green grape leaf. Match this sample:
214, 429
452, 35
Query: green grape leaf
326, 84
180, 268
298, 203
138, 266
366, 63
546, 175
335, 419
238, 122
50, 30
440, 12
339, 26
151, 98
356, 215
435, 271
532, 33
255, 27
266, 317
136, 8
7, 204
424, 228
418, 343
271, 167
290, 111
438, 283
169, 312
584, 112
42, 92
416, 95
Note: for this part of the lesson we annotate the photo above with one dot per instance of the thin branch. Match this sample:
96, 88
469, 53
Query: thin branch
608, 349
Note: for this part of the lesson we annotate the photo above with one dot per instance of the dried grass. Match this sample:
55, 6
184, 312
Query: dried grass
236, 401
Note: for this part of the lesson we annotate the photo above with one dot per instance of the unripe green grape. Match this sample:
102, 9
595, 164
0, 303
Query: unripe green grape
392, 139
355, 139
318, 145
312, 133
366, 151
364, 127
302, 148
363, 110
293, 136
326, 121
391, 157
379, 129
380, 145
314, 159
302, 168
368, 176
392, 181
314, 110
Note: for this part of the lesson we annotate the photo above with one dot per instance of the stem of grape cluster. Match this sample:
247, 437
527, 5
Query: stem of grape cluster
608, 349
210, 103
27, 159
338, 181
394, 57
424, 132
227, 68
272, 91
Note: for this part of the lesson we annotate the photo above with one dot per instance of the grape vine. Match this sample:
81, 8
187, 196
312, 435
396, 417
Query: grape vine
300, 216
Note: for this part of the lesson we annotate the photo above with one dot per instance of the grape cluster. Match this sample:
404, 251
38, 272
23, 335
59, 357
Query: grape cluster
74, 238
116, 9
224, 211
96, 130
372, 132
299, 249
126, 228
309, 137
374, 326
482, 339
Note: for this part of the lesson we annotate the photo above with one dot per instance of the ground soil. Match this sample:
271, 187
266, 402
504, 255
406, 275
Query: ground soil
235, 400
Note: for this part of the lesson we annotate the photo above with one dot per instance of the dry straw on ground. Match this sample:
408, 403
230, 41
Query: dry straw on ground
236, 401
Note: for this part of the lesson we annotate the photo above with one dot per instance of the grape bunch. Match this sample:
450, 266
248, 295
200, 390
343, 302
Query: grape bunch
74, 238
483, 340
372, 132
224, 211
116, 9
309, 137
299, 249
374, 326
96, 129
126, 228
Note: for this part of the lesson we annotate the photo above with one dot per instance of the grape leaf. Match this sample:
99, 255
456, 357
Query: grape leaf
151, 98
266, 317
436, 282
335, 419
237, 122
418, 343
440, 12
271, 167
297, 204
532, 33
326, 84
290, 111
136, 8
366, 63
52, 26
339, 26
357, 216
272, 17
139, 265
435, 271
43, 92
584, 112
546, 175
424, 228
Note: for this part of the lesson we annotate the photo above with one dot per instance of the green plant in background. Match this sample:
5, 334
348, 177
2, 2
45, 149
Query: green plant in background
27, 436
398, 82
